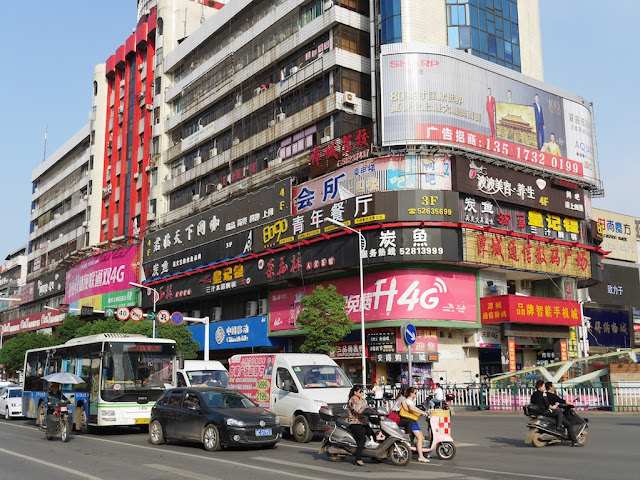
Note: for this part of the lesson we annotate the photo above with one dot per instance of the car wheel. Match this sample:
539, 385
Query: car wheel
211, 438
40, 414
301, 430
155, 433
6, 414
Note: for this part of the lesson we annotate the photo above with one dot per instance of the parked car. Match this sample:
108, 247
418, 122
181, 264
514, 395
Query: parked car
11, 402
213, 416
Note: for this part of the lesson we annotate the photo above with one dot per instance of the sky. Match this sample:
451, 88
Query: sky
587, 49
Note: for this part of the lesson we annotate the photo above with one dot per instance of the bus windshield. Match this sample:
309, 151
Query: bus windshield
134, 366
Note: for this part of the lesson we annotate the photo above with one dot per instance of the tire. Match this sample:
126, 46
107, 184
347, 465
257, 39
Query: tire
582, 438
6, 414
301, 430
64, 429
40, 414
399, 454
211, 438
335, 458
156, 436
446, 450
537, 442
49, 437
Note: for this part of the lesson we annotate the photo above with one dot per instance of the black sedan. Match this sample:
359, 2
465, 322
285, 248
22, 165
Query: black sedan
213, 416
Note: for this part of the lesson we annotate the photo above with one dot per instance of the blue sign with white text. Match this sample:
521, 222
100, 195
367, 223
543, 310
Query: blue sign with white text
241, 333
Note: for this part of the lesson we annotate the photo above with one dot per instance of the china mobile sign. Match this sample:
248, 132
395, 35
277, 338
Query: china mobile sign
436, 95
38, 321
390, 295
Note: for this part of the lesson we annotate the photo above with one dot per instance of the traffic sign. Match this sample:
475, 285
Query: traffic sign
109, 312
177, 318
63, 308
164, 316
86, 310
122, 313
136, 314
152, 316
409, 333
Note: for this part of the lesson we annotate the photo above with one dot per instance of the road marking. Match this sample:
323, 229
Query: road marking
511, 473
31, 458
179, 472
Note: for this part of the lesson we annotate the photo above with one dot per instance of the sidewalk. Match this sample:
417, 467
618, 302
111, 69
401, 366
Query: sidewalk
469, 411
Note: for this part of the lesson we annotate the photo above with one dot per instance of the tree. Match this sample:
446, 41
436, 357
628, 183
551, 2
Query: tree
13, 350
182, 335
323, 319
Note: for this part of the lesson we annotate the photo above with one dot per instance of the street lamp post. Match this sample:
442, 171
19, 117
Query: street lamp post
363, 245
156, 297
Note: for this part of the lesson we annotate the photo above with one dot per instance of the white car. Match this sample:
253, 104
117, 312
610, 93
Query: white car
11, 402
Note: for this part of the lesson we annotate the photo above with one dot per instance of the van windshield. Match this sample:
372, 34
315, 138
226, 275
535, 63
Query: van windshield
321, 376
209, 378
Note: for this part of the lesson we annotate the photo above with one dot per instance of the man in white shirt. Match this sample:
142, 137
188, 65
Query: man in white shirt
438, 397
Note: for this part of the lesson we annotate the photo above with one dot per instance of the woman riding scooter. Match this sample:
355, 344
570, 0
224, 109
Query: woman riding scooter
358, 426
409, 414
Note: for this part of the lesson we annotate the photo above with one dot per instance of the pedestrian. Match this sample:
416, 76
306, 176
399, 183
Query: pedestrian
358, 424
409, 414
377, 391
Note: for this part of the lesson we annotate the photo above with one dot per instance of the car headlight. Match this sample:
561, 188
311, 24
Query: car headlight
277, 420
233, 422
320, 403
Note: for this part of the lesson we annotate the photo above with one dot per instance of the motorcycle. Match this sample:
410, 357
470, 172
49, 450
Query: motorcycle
446, 403
58, 422
436, 438
338, 442
542, 430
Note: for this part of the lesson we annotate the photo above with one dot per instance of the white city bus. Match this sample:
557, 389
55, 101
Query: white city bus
124, 375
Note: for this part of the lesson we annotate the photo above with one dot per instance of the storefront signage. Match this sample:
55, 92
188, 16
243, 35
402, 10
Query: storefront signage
523, 309
361, 210
48, 318
409, 244
346, 350
609, 328
381, 341
488, 212
426, 341
506, 185
244, 213
397, 294
619, 236
234, 334
503, 114
345, 150
511, 346
522, 254
620, 285
398, 172
52, 284
404, 357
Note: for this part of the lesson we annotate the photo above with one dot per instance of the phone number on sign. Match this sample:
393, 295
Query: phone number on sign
430, 211
421, 251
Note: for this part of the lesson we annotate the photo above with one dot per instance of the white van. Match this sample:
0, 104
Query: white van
200, 373
293, 386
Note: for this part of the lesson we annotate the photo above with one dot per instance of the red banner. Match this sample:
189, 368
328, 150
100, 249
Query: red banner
512, 355
48, 318
522, 309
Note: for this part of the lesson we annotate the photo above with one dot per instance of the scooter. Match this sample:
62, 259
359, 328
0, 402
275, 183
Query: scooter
338, 442
436, 438
58, 422
444, 404
542, 430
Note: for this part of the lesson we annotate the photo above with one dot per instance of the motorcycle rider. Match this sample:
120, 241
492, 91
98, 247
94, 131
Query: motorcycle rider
547, 409
554, 398
54, 397
438, 397
358, 425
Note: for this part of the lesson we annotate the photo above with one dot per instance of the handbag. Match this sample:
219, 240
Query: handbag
410, 415
394, 417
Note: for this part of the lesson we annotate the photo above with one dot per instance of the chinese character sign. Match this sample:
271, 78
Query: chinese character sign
524, 309
619, 235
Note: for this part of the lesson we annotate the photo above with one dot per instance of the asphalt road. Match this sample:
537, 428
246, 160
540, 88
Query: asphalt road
489, 446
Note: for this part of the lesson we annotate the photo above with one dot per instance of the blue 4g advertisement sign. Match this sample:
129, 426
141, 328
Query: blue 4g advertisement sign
241, 333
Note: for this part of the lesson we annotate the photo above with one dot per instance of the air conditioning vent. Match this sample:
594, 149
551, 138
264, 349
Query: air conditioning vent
141, 94
236, 141
262, 306
281, 116
197, 160
104, 222
147, 168
121, 109
195, 197
294, 69
141, 67
182, 169
252, 309
149, 107
217, 314
213, 152
526, 284
151, 216
272, 123
349, 98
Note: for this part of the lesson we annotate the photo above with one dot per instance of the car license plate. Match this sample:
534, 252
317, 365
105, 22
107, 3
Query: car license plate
142, 421
263, 432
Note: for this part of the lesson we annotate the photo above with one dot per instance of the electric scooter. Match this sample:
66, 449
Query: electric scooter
436, 438
542, 430
58, 422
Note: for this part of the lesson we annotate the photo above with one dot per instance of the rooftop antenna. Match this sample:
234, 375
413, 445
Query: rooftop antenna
44, 153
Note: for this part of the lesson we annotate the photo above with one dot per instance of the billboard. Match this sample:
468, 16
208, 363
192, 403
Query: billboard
397, 172
524, 309
618, 235
392, 294
609, 327
506, 185
620, 285
437, 96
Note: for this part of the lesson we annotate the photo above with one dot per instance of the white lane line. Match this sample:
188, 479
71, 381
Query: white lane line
179, 472
51, 465
511, 473
302, 447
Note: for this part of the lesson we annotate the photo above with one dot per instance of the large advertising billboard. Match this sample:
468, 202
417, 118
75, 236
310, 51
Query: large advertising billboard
618, 235
436, 96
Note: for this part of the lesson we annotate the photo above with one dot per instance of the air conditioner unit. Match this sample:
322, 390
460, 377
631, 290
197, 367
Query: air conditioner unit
257, 91
236, 141
122, 83
104, 222
325, 139
237, 104
56, 215
197, 160
84, 224
195, 197
293, 70
281, 116
141, 67
217, 314
200, 127
349, 97
167, 177
252, 309
147, 168
149, 107
272, 123
136, 175
526, 284
121, 109
151, 216
328, 4
141, 94
182, 169
213, 152
262, 306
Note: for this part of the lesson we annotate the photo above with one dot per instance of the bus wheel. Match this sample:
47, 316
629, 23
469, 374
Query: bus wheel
40, 414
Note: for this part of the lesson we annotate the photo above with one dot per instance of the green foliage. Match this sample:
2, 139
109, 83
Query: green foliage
68, 328
323, 319
182, 335
13, 350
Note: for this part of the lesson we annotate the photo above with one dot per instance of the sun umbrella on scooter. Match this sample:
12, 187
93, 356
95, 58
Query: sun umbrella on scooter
63, 378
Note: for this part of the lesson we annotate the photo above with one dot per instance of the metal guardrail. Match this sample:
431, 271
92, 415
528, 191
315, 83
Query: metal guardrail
608, 397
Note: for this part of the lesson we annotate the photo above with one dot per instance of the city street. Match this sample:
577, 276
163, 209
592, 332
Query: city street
489, 446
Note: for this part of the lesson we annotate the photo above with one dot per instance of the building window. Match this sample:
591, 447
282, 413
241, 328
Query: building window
391, 21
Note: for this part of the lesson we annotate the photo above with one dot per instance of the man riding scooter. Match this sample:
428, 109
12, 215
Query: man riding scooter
553, 409
54, 398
